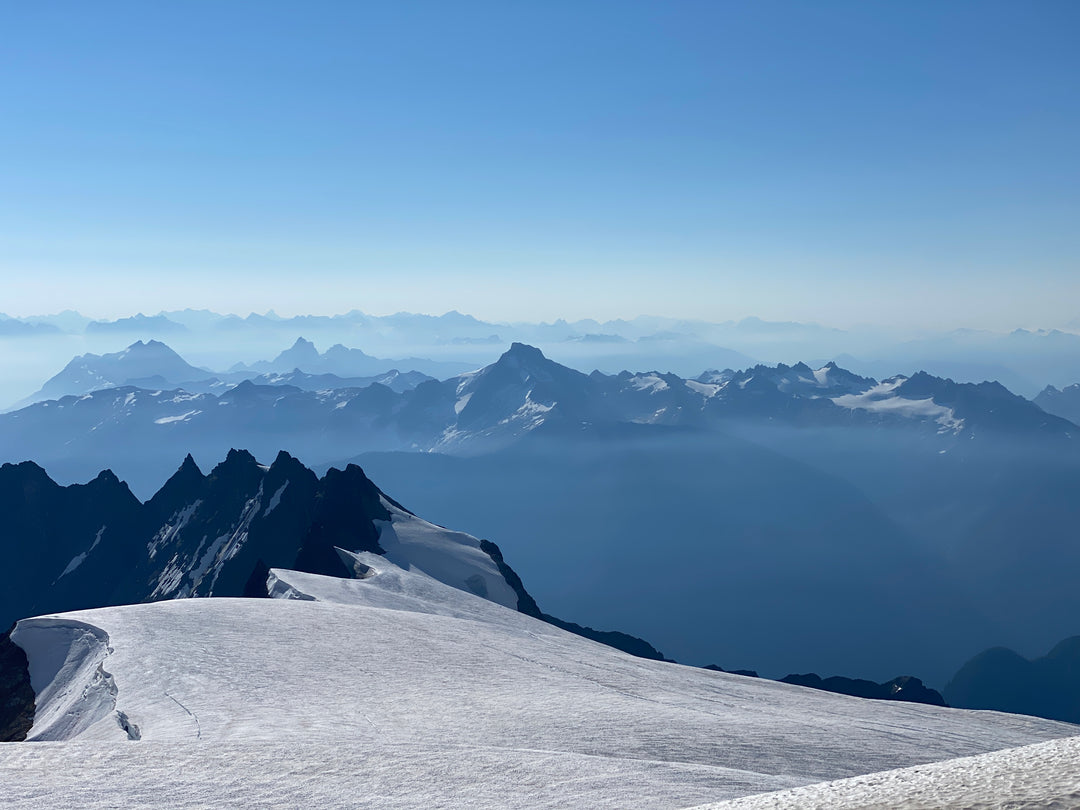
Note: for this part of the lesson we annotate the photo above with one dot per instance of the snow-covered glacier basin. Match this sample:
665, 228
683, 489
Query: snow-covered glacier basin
399, 691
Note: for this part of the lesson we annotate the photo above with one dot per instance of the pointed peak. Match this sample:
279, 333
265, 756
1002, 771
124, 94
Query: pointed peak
189, 465
303, 342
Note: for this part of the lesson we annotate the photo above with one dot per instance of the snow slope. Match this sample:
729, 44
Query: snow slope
451, 557
397, 690
1043, 776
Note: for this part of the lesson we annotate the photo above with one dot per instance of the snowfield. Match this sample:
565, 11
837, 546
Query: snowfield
1044, 776
399, 691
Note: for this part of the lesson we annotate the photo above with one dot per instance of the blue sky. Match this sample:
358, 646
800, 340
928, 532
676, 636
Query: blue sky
908, 163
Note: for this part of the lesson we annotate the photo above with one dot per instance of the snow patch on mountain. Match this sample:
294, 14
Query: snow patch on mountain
706, 390
79, 559
171, 530
648, 382
275, 499
883, 399
454, 558
184, 417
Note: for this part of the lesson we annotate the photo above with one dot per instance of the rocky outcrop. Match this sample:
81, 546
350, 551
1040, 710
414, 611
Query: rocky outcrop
16, 694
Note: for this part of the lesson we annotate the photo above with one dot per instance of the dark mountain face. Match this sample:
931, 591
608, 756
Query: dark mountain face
1004, 681
201, 535
985, 405
49, 531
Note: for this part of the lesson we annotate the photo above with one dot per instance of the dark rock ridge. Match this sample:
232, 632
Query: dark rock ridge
94, 545
1005, 681
906, 688
16, 694
746, 673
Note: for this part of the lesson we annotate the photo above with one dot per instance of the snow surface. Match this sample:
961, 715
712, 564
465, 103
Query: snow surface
454, 558
649, 382
184, 417
80, 558
883, 399
706, 390
275, 499
1043, 776
398, 691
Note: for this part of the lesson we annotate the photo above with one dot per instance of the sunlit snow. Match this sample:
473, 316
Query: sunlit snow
396, 690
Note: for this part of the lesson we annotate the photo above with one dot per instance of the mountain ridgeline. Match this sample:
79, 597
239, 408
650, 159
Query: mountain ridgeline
95, 545
139, 425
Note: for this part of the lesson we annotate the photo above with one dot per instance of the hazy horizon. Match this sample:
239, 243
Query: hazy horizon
838, 163
286, 313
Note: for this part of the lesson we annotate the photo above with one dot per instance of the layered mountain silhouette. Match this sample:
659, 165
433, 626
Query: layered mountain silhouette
342, 361
137, 324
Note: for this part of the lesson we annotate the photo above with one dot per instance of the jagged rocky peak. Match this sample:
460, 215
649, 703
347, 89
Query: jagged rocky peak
203, 535
183, 487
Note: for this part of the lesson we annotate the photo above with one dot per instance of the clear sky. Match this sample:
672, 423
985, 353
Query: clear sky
902, 162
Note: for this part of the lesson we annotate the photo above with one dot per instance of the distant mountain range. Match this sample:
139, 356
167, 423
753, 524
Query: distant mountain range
1023, 360
154, 365
324, 417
